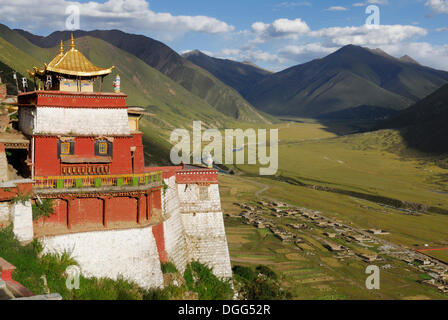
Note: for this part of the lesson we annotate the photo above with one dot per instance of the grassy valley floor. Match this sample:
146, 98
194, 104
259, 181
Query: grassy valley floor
353, 179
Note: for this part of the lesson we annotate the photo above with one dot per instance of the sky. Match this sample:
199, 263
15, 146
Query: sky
273, 34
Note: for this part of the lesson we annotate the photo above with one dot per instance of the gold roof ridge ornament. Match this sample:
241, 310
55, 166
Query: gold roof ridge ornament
71, 63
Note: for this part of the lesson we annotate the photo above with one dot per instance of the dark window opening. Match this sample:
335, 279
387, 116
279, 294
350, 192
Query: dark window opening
17, 166
65, 148
103, 148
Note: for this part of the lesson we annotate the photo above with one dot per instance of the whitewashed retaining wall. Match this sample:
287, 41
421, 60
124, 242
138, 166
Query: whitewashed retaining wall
4, 211
206, 241
175, 243
83, 121
22, 219
203, 225
130, 253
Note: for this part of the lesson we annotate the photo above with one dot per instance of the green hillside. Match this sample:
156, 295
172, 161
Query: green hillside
174, 106
238, 75
159, 56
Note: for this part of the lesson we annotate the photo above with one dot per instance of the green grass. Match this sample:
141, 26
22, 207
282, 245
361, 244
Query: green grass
33, 267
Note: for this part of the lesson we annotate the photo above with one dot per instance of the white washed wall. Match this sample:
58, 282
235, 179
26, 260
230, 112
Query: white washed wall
130, 253
83, 121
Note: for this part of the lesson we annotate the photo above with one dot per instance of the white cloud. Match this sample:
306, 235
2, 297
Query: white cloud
291, 4
127, 15
307, 52
280, 28
336, 8
435, 56
438, 6
365, 35
368, 2
442, 29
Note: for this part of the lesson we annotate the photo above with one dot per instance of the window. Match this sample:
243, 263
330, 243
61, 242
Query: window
65, 148
102, 148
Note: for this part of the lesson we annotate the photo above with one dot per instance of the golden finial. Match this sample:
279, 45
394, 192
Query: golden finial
61, 49
72, 44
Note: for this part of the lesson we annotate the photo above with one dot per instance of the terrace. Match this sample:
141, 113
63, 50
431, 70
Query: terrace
121, 182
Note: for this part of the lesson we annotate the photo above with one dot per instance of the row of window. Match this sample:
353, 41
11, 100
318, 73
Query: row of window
102, 148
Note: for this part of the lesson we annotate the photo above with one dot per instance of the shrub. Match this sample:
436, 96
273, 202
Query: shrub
44, 209
200, 279
21, 197
268, 272
169, 267
244, 272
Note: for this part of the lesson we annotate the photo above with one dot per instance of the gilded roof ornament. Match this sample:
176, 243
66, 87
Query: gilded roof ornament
72, 63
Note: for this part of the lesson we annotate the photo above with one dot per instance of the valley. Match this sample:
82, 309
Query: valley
314, 162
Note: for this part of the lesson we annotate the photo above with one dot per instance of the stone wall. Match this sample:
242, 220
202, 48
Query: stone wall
196, 198
131, 253
207, 242
175, 243
3, 164
4, 211
203, 225
82, 121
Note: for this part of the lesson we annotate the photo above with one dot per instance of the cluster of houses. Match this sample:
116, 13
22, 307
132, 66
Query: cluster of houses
259, 215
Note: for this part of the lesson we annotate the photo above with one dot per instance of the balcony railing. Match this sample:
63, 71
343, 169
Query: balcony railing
98, 181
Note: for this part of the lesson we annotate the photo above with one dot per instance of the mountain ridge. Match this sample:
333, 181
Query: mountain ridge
161, 57
349, 78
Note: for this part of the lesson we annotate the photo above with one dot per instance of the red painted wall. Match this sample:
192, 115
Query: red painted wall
73, 99
121, 209
159, 235
46, 162
86, 211
60, 213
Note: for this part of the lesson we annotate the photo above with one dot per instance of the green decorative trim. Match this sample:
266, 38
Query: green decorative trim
97, 183
119, 182
60, 184
78, 183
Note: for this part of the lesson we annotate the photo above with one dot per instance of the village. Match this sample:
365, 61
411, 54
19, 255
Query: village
292, 224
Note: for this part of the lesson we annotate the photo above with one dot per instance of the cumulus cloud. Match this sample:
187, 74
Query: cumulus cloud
336, 8
365, 35
302, 53
438, 6
127, 15
280, 28
435, 56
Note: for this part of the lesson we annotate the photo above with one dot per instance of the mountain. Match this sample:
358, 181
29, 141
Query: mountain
424, 125
408, 59
238, 75
193, 78
174, 106
348, 78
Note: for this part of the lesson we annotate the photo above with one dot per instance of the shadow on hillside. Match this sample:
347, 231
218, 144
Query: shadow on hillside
345, 127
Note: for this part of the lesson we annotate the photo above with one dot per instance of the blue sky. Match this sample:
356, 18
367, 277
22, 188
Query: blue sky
272, 34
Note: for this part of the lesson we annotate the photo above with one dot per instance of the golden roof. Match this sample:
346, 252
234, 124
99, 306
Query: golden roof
73, 63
